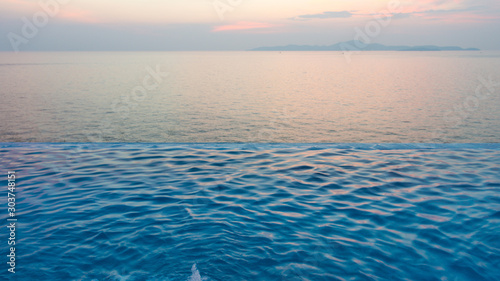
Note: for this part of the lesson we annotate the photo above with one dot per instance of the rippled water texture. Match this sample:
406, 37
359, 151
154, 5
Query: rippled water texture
255, 212
295, 97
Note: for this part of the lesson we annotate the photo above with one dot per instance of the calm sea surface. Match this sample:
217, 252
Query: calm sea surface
254, 212
250, 97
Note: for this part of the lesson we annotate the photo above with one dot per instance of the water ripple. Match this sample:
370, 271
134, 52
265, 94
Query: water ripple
251, 212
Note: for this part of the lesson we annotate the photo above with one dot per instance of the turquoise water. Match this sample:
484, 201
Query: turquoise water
255, 211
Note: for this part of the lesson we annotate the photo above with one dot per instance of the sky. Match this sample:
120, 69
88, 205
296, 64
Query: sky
190, 25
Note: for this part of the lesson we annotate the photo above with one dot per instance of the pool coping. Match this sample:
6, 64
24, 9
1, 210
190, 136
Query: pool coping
260, 146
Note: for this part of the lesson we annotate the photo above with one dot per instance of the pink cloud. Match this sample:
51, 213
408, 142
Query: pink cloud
78, 16
242, 26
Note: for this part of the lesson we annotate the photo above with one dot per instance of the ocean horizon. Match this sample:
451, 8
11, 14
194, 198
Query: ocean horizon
174, 166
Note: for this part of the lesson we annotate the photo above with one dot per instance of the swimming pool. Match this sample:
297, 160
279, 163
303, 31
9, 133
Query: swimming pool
255, 211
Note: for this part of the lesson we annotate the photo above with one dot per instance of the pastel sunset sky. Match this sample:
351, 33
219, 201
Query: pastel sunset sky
128, 25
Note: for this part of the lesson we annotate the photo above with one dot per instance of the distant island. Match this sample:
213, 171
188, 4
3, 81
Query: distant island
360, 46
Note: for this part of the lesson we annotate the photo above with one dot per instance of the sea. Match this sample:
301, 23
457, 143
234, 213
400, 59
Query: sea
215, 166
269, 97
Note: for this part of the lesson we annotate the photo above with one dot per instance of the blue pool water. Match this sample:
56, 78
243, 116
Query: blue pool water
254, 212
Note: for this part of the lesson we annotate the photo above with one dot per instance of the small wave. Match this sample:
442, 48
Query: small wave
195, 274
115, 276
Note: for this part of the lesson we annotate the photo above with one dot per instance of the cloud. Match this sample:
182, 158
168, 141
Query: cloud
450, 8
428, 9
467, 14
242, 26
325, 15
78, 16
347, 14
401, 16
